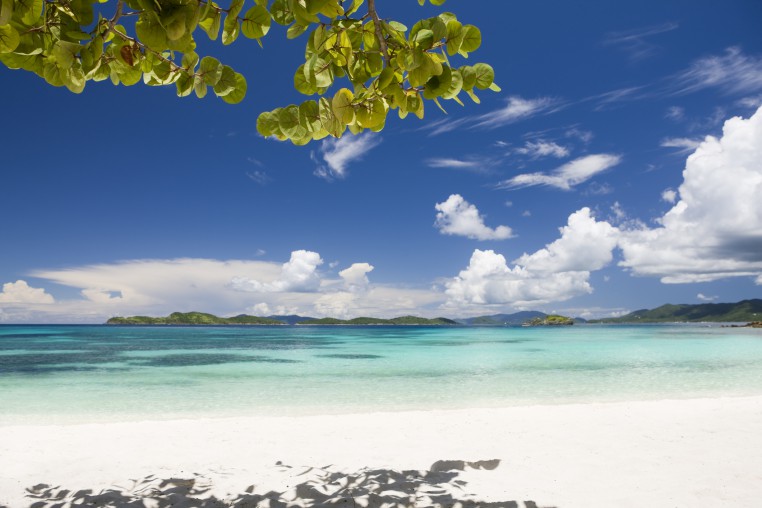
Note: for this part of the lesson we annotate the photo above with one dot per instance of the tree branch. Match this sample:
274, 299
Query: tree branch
379, 30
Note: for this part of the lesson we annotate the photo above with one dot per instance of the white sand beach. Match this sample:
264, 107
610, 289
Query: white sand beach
672, 453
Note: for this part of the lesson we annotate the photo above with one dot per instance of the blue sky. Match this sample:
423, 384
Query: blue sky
124, 201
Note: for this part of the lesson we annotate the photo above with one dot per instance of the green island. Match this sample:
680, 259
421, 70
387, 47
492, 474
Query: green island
745, 310
193, 318
403, 320
550, 320
203, 318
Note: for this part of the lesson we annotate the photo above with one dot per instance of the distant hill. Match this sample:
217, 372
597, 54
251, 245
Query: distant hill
515, 319
746, 310
290, 319
404, 320
192, 318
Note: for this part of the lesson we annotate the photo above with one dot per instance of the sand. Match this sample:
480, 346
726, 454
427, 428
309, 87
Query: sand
680, 453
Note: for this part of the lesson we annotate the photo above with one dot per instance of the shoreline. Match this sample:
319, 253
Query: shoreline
684, 452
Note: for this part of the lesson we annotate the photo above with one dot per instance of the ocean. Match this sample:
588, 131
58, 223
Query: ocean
74, 374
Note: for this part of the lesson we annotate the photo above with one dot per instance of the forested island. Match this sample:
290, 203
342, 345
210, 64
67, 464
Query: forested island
745, 310
203, 318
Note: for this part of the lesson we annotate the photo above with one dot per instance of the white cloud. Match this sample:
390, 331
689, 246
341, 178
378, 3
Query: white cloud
161, 286
669, 195
715, 229
338, 154
456, 216
260, 309
634, 41
356, 276
299, 274
555, 273
684, 144
516, 108
260, 177
21, 292
541, 148
583, 135
705, 298
474, 164
567, 176
732, 72
752, 102
675, 113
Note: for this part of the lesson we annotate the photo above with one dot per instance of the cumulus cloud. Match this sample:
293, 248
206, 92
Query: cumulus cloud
299, 274
715, 229
669, 195
555, 273
541, 148
704, 298
356, 276
157, 287
21, 292
456, 216
567, 176
338, 154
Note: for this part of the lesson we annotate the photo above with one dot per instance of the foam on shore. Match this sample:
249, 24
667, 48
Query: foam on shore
676, 453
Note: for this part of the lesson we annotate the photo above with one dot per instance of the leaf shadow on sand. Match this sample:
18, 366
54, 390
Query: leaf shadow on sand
439, 487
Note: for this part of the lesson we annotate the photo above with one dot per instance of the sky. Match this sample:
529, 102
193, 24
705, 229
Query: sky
619, 168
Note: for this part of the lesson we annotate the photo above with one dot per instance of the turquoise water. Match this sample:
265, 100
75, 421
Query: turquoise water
53, 374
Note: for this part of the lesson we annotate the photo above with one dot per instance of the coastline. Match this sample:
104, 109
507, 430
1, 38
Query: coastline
694, 452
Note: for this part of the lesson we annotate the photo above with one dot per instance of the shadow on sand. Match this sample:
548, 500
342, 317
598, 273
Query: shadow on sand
440, 486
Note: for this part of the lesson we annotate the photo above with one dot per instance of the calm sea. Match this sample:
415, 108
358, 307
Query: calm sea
60, 374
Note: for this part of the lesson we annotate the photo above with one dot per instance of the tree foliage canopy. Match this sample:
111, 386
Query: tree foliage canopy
384, 64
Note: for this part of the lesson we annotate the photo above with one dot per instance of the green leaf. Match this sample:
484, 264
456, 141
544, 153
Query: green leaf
456, 84
485, 75
31, 11
342, 106
318, 72
472, 39
210, 70
226, 83
230, 30
302, 84
199, 87
184, 85
371, 113
75, 79
288, 120
239, 91
469, 77
256, 22
295, 31
267, 123
151, 32
438, 85
281, 13
6, 11
235, 8
328, 119
211, 24
424, 39
9, 39
309, 117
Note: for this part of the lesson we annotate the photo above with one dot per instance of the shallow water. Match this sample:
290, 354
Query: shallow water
53, 374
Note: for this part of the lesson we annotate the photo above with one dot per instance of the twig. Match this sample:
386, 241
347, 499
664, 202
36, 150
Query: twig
379, 30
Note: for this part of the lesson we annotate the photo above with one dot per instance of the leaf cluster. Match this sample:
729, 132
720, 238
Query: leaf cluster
385, 65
